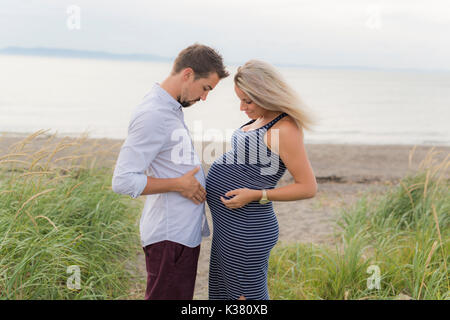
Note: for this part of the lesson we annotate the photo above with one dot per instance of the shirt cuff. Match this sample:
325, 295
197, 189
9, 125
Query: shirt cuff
141, 183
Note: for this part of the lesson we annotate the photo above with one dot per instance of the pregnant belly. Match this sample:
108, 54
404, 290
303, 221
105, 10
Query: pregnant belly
223, 178
253, 217
226, 177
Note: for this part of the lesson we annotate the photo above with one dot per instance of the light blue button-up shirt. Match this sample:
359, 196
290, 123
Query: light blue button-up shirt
159, 145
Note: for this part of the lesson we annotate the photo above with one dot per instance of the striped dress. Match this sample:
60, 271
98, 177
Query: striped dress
243, 237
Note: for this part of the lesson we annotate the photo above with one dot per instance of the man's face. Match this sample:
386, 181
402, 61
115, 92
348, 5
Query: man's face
194, 90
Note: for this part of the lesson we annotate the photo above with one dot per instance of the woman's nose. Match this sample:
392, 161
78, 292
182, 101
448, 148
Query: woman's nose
243, 106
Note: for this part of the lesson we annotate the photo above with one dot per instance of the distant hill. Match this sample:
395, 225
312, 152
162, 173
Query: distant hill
69, 53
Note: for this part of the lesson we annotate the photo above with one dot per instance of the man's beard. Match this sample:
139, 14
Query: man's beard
185, 103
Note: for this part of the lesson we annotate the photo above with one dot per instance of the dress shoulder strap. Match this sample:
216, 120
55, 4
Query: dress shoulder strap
271, 123
251, 121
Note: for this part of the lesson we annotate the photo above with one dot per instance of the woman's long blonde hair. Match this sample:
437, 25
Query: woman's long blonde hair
266, 87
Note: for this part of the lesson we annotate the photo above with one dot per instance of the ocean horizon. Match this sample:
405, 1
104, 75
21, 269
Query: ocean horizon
74, 95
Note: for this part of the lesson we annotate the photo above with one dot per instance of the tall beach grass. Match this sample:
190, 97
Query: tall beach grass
392, 246
56, 211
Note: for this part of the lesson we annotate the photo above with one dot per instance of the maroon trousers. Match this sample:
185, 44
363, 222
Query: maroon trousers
171, 271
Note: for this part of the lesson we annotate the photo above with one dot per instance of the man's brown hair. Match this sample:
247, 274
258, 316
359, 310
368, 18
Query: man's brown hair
202, 59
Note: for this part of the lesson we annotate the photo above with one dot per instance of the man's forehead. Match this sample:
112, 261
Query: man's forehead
211, 81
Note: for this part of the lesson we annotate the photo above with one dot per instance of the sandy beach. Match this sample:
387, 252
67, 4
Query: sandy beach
343, 173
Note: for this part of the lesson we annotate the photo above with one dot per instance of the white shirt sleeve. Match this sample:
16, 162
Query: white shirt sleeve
146, 137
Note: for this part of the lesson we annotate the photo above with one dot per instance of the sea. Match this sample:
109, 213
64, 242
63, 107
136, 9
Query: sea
71, 96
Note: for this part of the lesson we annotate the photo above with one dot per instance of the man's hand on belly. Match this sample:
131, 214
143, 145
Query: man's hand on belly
189, 187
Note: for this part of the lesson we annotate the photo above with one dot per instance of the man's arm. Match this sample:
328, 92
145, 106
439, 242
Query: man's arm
146, 137
157, 185
187, 185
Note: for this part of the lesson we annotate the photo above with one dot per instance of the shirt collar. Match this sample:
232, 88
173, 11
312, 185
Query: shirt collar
167, 97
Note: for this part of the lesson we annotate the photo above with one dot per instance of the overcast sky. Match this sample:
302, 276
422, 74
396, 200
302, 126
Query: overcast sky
386, 34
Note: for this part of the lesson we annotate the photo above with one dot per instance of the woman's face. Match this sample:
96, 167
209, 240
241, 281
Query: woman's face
252, 110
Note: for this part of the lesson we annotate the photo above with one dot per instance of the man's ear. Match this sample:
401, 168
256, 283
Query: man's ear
187, 73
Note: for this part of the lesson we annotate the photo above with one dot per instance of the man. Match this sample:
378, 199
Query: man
152, 161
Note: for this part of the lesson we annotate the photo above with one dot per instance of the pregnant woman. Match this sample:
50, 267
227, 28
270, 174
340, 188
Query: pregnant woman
241, 183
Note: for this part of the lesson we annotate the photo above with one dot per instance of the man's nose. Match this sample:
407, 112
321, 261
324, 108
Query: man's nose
203, 97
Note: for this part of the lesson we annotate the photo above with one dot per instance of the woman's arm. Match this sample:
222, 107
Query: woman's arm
292, 151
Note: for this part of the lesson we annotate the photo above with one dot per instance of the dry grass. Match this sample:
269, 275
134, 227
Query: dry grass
57, 209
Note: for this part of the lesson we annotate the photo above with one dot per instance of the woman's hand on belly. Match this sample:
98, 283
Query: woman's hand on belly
240, 197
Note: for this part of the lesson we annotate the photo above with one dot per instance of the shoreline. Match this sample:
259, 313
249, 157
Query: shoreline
75, 135
331, 163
